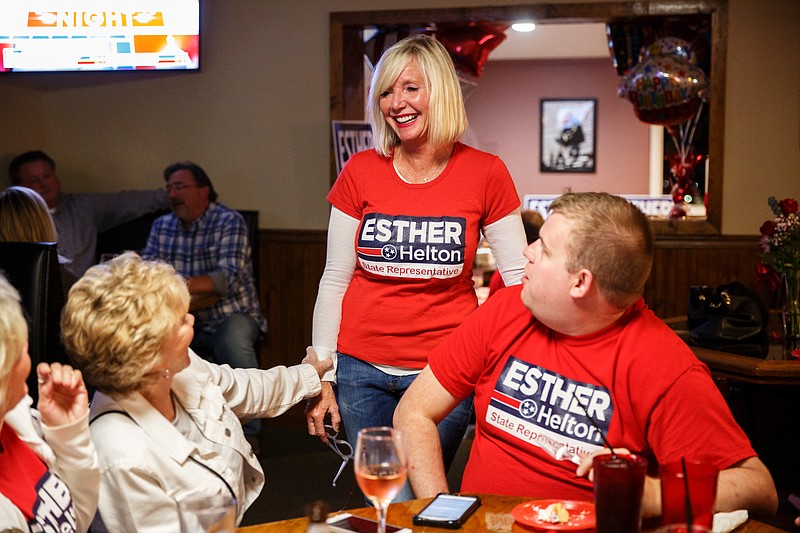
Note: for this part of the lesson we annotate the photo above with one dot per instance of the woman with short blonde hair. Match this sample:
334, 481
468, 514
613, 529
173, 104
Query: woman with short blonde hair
117, 319
166, 422
448, 117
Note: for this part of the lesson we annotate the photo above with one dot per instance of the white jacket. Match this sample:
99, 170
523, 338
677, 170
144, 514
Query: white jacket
147, 465
66, 450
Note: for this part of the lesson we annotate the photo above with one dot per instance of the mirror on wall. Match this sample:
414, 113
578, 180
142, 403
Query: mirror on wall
348, 76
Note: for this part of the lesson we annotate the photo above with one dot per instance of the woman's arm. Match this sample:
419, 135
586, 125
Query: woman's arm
339, 268
506, 239
64, 411
340, 264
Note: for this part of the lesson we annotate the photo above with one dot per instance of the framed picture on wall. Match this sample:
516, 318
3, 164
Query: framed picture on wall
567, 135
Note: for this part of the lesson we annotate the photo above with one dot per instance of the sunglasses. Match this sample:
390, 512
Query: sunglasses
341, 447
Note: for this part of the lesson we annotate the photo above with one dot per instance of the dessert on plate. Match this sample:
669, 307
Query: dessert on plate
555, 513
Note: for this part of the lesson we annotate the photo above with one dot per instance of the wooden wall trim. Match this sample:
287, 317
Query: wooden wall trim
292, 262
711, 260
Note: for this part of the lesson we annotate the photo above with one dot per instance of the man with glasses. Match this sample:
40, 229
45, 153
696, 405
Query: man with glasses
207, 243
80, 217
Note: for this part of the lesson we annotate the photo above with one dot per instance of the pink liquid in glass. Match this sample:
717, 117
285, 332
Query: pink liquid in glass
381, 483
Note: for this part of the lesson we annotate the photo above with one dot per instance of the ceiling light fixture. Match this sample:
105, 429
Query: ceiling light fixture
523, 27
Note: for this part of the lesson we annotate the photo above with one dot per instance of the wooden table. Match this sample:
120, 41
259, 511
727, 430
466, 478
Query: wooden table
750, 369
771, 370
494, 515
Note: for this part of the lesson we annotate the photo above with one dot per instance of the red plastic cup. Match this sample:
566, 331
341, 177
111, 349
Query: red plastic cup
618, 492
702, 492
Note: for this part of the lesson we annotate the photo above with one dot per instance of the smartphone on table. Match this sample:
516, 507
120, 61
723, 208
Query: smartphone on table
346, 523
447, 510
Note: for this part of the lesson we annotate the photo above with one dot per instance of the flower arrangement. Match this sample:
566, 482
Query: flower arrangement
780, 238
780, 244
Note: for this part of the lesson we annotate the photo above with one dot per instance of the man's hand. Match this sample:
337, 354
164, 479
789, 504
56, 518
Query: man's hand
585, 468
318, 407
651, 500
62, 394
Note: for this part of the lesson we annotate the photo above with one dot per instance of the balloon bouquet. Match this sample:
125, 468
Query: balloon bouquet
667, 88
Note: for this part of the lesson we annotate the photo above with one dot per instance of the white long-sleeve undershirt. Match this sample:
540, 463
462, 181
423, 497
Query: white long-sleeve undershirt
506, 239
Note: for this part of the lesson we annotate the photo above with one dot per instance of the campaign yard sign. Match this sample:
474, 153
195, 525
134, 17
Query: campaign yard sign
349, 137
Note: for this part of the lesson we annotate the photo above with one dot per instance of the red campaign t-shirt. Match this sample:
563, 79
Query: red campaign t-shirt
415, 247
43, 499
640, 383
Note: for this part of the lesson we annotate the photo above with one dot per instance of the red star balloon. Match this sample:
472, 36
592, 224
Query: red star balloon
469, 43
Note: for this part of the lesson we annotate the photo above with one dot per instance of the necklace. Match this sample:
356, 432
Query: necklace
433, 173
425, 179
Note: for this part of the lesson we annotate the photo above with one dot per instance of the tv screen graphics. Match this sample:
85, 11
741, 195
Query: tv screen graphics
99, 35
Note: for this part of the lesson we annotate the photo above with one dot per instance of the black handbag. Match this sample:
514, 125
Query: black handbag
730, 318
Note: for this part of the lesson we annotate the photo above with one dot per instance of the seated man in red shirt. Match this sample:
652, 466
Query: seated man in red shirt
573, 347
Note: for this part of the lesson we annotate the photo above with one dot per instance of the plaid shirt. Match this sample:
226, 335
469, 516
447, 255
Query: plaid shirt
214, 243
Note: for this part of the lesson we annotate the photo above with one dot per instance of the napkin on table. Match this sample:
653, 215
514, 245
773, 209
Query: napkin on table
725, 522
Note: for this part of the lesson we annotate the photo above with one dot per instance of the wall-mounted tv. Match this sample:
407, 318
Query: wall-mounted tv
99, 35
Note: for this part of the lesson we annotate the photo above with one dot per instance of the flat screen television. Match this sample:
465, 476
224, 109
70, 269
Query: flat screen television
99, 35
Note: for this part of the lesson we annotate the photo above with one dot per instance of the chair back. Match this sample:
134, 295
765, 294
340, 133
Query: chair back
33, 269
128, 236
251, 219
133, 236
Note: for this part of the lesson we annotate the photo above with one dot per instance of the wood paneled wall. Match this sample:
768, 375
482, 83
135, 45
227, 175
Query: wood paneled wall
292, 262
681, 261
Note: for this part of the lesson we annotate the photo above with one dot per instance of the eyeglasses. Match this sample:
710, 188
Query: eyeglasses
178, 187
341, 447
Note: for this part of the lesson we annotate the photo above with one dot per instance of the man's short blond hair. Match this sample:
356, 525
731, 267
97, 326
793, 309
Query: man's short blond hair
117, 318
13, 333
612, 239
448, 117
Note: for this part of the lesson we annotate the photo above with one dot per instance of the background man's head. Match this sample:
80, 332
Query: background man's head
36, 170
531, 221
190, 190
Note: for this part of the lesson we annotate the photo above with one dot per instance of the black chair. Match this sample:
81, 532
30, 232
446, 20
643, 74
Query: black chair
133, 235
33, 269
251, 219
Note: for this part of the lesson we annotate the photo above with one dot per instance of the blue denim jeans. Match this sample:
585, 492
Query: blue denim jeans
232, 343
368, 397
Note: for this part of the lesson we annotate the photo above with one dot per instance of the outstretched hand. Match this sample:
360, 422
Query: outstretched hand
62, 394
312, 359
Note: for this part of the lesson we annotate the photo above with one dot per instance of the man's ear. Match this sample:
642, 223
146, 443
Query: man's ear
582, 283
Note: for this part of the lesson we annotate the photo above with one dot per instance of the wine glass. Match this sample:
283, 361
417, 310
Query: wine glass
380, 466
207, 513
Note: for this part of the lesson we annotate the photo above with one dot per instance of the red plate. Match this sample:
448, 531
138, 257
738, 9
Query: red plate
581, 514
